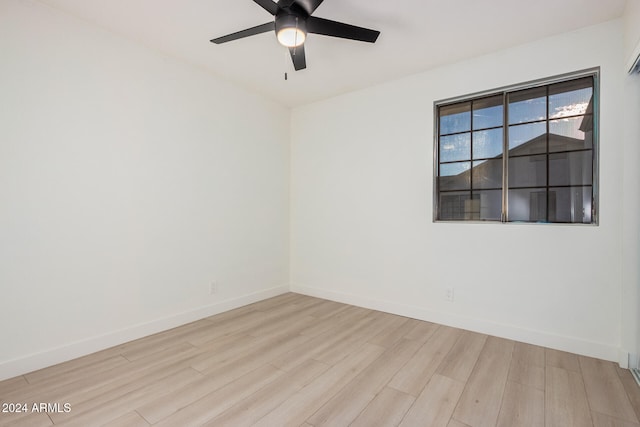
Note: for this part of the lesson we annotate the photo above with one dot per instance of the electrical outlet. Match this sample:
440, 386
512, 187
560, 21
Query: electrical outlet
448, 294
213, 288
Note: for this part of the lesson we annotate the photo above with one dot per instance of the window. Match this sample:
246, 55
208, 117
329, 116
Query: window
521, 154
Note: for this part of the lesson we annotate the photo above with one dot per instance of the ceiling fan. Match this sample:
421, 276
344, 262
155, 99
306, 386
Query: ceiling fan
293, 21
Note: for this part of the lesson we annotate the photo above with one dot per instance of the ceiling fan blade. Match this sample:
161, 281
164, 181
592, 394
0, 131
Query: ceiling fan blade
268, 5
298, 57
269, 26
340, 29
309, 5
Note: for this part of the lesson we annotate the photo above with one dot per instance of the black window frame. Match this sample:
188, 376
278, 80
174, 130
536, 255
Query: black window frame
505, 92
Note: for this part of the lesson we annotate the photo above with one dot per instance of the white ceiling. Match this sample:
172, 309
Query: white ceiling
415, 35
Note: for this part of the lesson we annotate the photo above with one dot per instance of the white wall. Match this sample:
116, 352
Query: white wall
128, 182
361, 216
632, 32
630, 319
630, 315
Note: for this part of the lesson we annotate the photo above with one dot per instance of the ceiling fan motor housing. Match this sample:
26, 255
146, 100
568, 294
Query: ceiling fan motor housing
291, 19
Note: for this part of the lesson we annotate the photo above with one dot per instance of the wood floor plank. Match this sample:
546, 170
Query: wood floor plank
456, 423
213, 404
631, 387
292, 325
132, 419
527, 365
605, 392
259, 324
336, 336
31, 419
217, 376
224, 347
281, 317
251, 323
119, 382
50, 389
156, 341
561, 359
335, 353
12, 384
109, 386
223, 350
480, 402
421, 331
435, 404
565, 399
122, 379
386, 410
238, 326
164, 406
299, 301
291, 308
263, 401
182, 335
336, 323
522, 406
297, 409
412, 378
463, 356
109, 410
346, 405
61, 369
602, 420
67, 377
529, 354
264, 351
392, 331
529, 375
326, 309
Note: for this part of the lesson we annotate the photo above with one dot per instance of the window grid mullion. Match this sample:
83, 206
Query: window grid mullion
505, 158
471, 154
548, 198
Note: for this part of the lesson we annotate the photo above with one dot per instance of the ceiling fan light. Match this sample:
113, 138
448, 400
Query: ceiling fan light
291, 36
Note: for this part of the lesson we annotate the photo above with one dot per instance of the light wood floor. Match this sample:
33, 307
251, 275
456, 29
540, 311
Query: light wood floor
294, 360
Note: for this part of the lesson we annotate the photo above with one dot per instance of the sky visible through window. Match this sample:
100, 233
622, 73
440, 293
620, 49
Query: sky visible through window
527, 121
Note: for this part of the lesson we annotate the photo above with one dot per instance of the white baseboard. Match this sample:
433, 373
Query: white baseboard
558, 342
32, 362
632, 360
